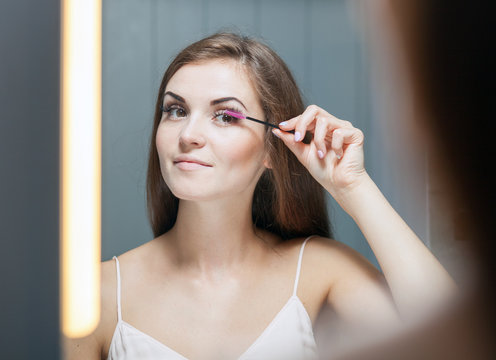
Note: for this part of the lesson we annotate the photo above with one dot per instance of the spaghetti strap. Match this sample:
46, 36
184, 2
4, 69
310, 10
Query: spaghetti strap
299, 265
119, 315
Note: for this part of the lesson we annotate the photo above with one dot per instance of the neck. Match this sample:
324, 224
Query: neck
216, 236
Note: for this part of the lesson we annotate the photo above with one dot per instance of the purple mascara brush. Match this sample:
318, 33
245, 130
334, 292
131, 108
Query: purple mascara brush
241, 116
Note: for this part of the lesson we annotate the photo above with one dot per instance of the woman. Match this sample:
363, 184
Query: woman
243, 261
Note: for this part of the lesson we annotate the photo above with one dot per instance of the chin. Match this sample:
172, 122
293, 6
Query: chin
203, 193
193, 194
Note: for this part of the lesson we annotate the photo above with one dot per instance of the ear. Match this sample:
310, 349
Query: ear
267, 163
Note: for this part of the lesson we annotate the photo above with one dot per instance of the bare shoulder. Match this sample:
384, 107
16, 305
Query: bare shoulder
95, 345
328, 261
340, 259
330, 256
357, 290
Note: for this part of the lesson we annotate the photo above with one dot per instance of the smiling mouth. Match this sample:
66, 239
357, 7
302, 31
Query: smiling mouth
190, 165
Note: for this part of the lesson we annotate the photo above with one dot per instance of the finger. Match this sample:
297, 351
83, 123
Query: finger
301, 122
319, 137
289, 124
345, 136
345, 124
337, 142
305, 121
313, 114
296, 147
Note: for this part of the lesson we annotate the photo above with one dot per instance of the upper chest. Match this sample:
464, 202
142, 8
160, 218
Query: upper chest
198, 319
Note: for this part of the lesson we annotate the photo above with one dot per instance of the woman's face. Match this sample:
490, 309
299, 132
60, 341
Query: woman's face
204, 154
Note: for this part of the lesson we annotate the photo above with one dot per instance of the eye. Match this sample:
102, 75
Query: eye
225, 119
174, 112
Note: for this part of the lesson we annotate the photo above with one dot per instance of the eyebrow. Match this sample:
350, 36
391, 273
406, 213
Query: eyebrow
175, 96
225, 99
213, 102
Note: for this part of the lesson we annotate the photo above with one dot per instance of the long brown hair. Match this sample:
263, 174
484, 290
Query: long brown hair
287, 200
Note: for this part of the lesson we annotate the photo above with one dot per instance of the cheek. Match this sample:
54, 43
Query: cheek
243, 153
160, 140
239, 154
163, 139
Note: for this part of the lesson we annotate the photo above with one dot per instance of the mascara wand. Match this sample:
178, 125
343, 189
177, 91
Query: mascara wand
241, 116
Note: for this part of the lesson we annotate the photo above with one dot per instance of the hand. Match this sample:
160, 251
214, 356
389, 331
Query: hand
334, 157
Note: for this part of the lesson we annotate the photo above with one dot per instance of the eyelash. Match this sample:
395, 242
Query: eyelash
169, 108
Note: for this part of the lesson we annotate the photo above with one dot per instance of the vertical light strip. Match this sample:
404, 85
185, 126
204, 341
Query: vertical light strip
80, 166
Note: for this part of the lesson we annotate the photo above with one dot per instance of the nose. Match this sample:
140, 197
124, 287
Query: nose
192, 134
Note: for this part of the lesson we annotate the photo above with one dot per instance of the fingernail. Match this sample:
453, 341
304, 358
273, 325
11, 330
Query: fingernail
274, 132
320, 153
297, 136
284, 123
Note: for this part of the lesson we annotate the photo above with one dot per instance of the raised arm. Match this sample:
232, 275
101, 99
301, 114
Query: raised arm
334, 157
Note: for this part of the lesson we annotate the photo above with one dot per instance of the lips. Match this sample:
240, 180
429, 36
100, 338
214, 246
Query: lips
190, 160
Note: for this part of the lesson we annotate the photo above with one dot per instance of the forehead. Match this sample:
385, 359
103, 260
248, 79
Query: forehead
213, 79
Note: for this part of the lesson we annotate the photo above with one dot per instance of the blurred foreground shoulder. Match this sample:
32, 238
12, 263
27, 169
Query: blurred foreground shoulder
95, 346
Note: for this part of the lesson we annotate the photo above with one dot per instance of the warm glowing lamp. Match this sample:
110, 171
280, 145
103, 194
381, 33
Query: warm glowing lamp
80, 166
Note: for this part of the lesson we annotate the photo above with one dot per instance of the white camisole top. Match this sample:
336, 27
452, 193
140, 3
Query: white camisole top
288, 336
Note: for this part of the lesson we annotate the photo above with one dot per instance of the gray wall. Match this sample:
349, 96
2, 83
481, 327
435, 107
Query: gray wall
317, 39
29, 160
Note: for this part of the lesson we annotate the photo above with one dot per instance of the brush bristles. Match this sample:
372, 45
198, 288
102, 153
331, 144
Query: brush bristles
234, 114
